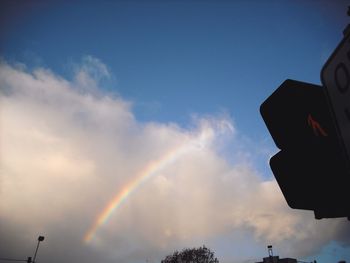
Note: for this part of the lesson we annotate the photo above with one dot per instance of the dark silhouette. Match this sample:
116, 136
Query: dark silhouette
276, 259
310, 124
311, 168
192, 255
29, 259
40, 239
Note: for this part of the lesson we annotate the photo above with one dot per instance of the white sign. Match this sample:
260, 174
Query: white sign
335, 76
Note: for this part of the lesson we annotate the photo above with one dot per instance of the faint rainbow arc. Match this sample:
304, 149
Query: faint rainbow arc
151, 169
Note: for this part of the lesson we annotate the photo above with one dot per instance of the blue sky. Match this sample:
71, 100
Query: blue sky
177, 58
173, 60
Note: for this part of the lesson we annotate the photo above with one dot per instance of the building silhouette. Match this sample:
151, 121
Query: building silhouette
276, 259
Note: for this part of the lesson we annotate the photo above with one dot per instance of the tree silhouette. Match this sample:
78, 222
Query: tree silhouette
192, 255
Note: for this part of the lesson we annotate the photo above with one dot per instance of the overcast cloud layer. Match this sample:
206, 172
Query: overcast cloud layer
67, 148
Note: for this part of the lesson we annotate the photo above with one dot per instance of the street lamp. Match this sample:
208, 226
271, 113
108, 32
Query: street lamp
40, 238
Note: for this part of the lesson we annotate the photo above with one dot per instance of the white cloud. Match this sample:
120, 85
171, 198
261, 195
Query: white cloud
65, 153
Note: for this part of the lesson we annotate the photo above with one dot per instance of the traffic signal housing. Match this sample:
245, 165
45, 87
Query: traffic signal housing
311, 167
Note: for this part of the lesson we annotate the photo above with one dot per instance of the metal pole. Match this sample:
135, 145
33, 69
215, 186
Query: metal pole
36, 251
40, 238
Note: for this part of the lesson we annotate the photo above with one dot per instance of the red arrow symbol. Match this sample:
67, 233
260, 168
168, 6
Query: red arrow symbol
315, 126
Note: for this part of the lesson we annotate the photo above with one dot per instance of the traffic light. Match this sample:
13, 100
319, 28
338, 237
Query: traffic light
310, 125
311, 167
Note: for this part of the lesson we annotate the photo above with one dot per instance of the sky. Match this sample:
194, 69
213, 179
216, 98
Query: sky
131, 129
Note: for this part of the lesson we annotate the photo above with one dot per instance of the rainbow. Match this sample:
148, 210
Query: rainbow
151, 169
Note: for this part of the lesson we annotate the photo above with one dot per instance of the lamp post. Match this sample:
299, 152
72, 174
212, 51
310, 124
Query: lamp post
29, 259
40, 238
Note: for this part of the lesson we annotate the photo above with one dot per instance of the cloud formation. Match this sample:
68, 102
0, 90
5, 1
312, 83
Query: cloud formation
67, 149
